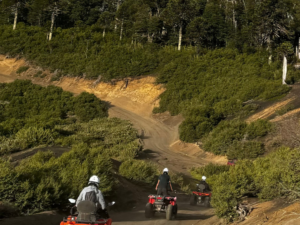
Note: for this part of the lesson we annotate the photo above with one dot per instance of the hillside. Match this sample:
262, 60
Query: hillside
124, 88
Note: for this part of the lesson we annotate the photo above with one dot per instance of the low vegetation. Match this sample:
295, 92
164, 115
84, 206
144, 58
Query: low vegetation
237, 139
32, 115
269, 177
43, 181
140, 171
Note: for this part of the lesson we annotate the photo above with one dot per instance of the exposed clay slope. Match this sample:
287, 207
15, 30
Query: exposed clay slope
269, 110
274, 212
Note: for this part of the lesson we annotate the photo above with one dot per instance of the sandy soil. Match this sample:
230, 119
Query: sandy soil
274, 212
268, 110
187, 215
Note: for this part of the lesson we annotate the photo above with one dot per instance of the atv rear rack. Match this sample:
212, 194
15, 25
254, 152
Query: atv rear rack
82, 221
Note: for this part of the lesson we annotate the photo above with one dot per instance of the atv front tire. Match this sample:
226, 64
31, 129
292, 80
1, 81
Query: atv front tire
193, 200
169, 212
149, 213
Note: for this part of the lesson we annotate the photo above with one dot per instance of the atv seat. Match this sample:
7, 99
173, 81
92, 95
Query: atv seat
86, 211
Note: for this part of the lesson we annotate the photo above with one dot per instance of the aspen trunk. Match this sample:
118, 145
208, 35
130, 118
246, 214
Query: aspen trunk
52, 24
180, 37
121, 32
16, 18
284, 70
103, 32
298, 56
270, 59
118, 6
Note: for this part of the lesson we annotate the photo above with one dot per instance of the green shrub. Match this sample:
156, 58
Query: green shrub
140, 171
88, 106
283, 110
220, 80
222, 137
43, 182
113, 136
237, 139
229, 187
269, 177
22, 69
208, 170
30, 113
258, 128
245, 150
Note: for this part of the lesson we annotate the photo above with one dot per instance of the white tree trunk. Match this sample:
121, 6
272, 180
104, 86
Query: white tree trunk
118, 6
284, 70
103, 32
298, 56
121, 32
16, 18
270, 59
52, 24
180, 37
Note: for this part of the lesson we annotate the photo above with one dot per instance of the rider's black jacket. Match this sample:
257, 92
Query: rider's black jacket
207, 188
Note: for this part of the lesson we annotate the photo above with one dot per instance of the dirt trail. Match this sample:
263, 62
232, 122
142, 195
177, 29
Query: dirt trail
187, 215
135, 103
159, 134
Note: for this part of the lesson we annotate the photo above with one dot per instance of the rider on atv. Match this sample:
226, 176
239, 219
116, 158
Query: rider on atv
163, 183
203, 181
93, 194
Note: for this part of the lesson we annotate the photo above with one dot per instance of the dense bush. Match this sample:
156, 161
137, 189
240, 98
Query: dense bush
267, 177
30, 112
215, 85
80, 51
26, 138
115, 137
140, 171
208, 170
88, 107
42, 181
237, 139
22, 69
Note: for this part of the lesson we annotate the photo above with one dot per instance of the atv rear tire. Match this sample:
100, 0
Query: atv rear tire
193, 200
149, 213
169, 212
175, 209
206, 202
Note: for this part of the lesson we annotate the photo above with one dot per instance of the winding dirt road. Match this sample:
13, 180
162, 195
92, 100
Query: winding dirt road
157, 137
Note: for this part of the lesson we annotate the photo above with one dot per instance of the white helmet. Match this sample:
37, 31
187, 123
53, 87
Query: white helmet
204, 178
165, 170
94, 179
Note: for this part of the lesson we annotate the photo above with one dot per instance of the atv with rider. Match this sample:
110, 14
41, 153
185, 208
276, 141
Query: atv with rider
162, 204
202, 195
86, 215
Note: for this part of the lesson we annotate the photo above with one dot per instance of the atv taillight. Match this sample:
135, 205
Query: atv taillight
159, 198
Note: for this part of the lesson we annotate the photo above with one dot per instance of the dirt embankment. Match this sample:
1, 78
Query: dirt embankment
274, 212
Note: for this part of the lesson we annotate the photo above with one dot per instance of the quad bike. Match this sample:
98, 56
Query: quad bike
162, 204
86, 215
200, 197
